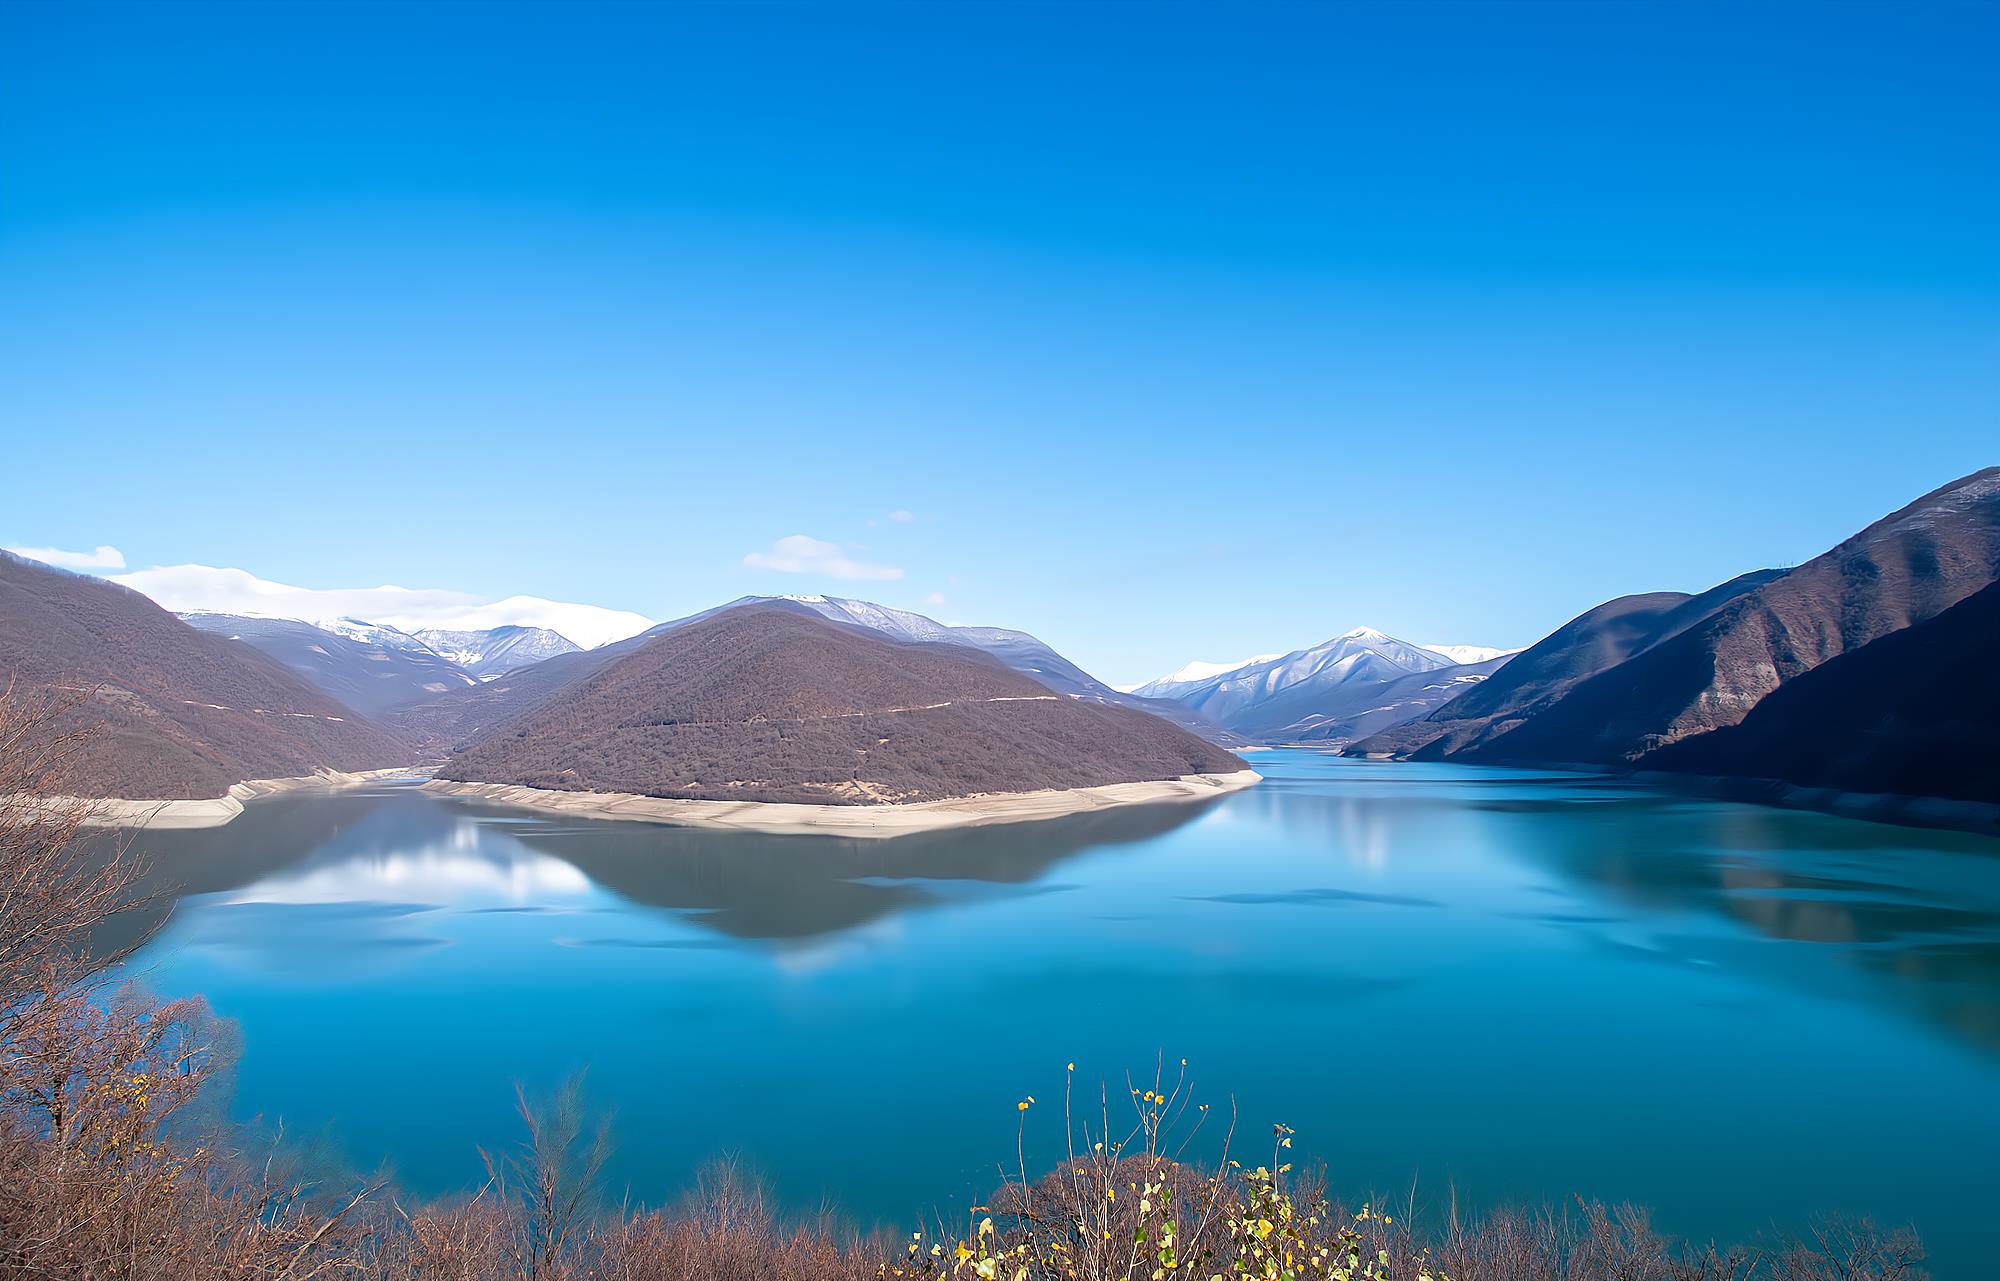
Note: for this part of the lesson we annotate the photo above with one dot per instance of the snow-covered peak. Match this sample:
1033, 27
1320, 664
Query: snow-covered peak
1364, 633
1197, 669
1463, 654
899, 623
495, 651
1197, 673
1193, 673
367, 633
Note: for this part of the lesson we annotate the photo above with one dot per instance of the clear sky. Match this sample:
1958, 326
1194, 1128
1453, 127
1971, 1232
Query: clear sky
1173, 331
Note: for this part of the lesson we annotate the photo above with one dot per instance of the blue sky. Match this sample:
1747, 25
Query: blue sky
1176, 331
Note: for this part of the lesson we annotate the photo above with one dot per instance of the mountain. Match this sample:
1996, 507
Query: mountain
182, 713
1320, 694
1465, 655
498, 650
379, 635
762, 703
1911, 713
1357, 711
1594, 641
1907, 567
368, 668
459, 716
1191, 674
1021, 651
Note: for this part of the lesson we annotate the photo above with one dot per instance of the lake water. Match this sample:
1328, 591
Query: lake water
1516, 985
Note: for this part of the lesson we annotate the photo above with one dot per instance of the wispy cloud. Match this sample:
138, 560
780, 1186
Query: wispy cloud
902, 517
935, 598
102, 558
799, 554
236, 591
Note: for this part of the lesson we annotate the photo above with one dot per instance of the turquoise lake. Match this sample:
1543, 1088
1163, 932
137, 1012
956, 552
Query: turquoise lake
1516, 986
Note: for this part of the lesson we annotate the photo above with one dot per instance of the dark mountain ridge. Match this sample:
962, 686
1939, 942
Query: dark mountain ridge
1594, 641
1639, 673
1903, 569
1911, 714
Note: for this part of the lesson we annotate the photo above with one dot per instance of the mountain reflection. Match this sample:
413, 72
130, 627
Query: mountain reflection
787, 887
1913, 911
403, 846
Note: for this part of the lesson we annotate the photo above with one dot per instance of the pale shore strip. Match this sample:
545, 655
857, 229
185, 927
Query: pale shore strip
214, 811
864, 821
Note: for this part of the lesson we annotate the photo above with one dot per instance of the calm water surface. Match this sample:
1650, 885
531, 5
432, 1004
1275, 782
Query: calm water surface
1519, 985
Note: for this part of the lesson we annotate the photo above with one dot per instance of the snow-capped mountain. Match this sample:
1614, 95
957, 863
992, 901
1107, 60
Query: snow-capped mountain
368, 668
497, 650
1193, 673
367, 633
1467, 654
1284, 698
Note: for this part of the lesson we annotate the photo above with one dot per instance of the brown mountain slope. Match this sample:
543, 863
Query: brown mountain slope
1910, 714
762, 704
1593, 641
1903, 569
456, 717
181, 713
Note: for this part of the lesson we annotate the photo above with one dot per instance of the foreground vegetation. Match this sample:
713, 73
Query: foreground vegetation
110, 1167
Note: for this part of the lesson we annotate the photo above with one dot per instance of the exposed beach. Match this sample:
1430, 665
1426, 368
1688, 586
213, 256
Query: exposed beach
214, 811
866, 821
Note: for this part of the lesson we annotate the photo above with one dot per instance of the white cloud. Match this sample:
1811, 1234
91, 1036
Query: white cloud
798, 554
935, 598
902, 517
235, 591
102, 558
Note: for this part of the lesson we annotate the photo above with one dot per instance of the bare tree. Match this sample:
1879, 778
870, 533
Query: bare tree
56, 886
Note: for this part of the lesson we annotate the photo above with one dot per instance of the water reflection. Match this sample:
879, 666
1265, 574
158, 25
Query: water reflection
785, 887
1533, 984
397, 844
1915, 912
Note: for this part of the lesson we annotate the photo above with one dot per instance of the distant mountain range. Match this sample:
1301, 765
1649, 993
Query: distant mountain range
1358, 683
1192, 674
498, 650
368, 668
757, 702
179, 711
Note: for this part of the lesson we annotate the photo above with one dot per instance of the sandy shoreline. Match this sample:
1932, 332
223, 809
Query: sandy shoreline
214, 811
865, 821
